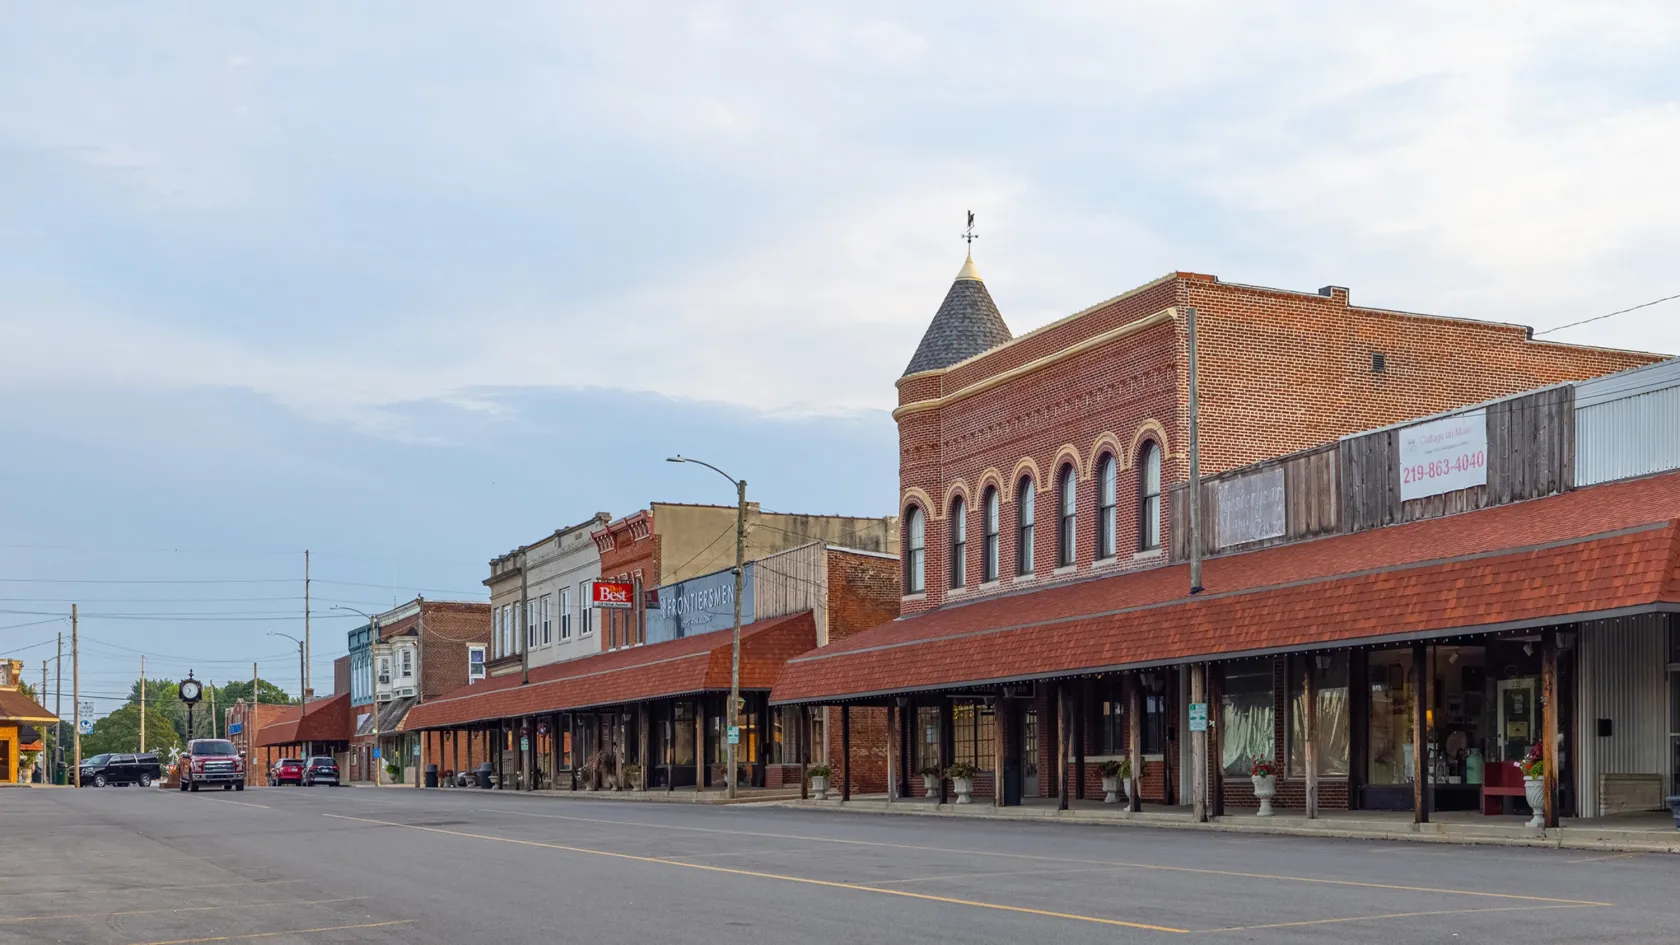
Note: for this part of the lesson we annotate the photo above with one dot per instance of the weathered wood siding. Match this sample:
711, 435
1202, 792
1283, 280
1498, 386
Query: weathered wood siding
1311, 502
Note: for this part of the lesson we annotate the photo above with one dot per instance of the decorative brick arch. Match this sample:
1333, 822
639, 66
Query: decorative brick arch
1107, 442
1027, 464
915, 496
1068, 454
1148, 430
957, 488
992, 477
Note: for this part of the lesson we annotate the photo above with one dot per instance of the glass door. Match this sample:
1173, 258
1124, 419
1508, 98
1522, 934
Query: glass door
1674, 728
1029, 752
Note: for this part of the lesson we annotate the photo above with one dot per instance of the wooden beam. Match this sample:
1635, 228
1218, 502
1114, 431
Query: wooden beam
846, 751
1064, 734
1216, 740
1169, 740
805, 747
1309, 731
699, 743
1420, 733
1134, 737
1198, 748
1549, 724
947, 745
892, 783
999, 747
1081, 709
643, 758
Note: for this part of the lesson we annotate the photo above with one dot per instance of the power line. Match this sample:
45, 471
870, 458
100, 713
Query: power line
32, 623
1597, 318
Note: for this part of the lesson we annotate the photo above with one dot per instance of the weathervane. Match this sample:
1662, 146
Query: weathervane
969, 236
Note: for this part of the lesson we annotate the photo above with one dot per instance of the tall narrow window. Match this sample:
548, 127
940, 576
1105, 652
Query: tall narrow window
547, 609
530, 624
564, 605
1024, 528
1149, 498
1067, 498
989, 536
586, 610
1107, 487
915, 563
959, 542
408, 663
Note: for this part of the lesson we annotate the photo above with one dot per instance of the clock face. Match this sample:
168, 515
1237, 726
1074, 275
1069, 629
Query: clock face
190, 690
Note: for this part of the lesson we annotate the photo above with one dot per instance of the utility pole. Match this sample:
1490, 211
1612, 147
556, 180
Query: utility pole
1195, 467
524, 622
58, 712
251, 728
211, 685
420, 668
76, 684
306, 653
142, 703
735, 646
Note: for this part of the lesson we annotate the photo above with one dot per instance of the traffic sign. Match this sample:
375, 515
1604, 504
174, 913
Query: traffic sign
376, 753
234, 728
86, 725
524, 744
734, 734
1198, 717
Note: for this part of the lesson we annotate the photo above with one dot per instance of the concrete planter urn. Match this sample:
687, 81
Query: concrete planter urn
1535, 789
1116, 777
964, 788
930, 785
1111, 790
819, 786
1265, 788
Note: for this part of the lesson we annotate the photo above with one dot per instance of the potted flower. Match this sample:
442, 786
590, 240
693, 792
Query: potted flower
819, 781
632, 777
962, 781
1116, 774
1264, 772
930, 780
1533, 768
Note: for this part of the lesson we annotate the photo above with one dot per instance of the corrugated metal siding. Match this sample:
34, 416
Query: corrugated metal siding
1622, 666
792, 581
1628, 424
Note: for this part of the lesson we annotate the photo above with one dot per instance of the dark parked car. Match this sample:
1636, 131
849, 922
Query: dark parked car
286, 771
321, 770
101, 770
212, 761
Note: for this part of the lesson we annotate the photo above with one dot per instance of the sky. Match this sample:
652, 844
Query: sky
409, 284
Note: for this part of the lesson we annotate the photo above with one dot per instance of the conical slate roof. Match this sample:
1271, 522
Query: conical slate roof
966, 324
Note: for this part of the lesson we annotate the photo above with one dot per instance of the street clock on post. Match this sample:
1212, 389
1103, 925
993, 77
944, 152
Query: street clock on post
190, 691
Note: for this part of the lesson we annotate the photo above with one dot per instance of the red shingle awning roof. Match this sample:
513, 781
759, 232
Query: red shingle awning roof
19, 708
278, 727
1594, 552
656, 671
327, 720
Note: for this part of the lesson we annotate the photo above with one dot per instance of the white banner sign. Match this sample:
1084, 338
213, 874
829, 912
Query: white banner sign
1443, 455
1250, 508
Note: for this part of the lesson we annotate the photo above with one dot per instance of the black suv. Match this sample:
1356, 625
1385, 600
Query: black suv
101, 770
320, 770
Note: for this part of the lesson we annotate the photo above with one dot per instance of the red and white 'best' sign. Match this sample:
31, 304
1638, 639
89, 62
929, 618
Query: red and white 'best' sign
613, 595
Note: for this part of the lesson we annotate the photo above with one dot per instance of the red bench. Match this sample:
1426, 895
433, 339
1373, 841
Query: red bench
1500, 779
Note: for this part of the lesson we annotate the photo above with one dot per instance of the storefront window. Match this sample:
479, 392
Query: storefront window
1390, 747
1154, 714
1245, 715
926, 737
973, 729
1674, 727
1111, 719
1330, 739
786, 737
682, 740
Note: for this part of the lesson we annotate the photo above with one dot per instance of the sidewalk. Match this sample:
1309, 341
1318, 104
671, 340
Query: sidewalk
1633, 833
654, 796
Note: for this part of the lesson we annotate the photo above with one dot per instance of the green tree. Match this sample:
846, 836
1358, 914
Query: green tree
120, 732
267, 692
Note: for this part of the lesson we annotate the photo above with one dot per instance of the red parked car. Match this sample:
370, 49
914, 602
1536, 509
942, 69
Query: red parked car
286, 771
212, 761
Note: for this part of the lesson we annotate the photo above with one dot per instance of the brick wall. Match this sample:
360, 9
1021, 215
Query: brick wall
863, 592
1278, 371
634, 551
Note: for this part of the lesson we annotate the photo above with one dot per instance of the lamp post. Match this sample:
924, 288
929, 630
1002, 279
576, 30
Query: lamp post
735, 645
373, 680
303, 673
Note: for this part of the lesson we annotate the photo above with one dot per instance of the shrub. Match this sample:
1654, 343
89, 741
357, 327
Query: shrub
931, 771
959, 770
819, 771
1120, 768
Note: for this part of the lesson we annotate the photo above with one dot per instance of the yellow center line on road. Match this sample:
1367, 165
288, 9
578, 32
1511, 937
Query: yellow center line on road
1062, 859
217, 800
830, 884
325, 928
216, 908
1388, 915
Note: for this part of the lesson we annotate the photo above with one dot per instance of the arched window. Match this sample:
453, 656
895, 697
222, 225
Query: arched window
915, 553
1149, 497
1067, 498
1107, 487
989, 540
1024, 527
959, 542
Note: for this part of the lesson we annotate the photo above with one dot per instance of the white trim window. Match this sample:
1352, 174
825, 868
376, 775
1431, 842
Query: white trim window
915, 543
475, 664
530, 625
565, 608
407, 663
545, 608
496, 629
586, 612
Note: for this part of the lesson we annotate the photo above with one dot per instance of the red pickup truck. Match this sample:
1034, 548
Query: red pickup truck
212, 761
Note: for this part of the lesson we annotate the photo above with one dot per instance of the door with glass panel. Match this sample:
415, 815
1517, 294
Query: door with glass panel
1029, 752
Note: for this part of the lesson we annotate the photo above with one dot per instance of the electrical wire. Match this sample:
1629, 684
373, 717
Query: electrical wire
1599, 318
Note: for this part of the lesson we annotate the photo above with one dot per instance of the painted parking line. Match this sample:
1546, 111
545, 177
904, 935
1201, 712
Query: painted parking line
1062, 859
217, 800
1099, 920
215, 908
1389, 915
325, 928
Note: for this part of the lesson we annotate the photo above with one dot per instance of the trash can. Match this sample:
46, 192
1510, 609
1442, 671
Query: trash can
484, 772
431, 776
1674, 807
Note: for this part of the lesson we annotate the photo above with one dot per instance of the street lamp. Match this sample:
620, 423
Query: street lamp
735, 646
303, 675
373, 627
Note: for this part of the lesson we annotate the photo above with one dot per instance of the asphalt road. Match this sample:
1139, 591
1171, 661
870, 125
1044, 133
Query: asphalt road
125, 866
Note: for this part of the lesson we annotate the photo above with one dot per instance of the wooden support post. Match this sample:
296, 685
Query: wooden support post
1064, 734
1081, 709
908, 720
1169, 737
1309, 731
892, 782
1216, 740
805, 747
846, 751
1134, 737
1549, 724
699, 744
947, 746
1420, 733
1198, 748
643, 758
1000, 739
